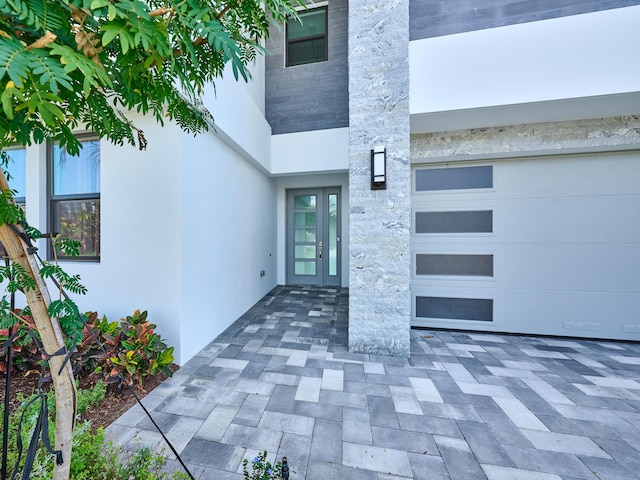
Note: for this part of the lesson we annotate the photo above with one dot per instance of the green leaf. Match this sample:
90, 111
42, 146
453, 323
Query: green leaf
37, 14
112, 30
14, 61
68, 246
9, 212
99, 4
21, 280
166, 357
56, 90
32, 232
112, 12
50, 69
93, 75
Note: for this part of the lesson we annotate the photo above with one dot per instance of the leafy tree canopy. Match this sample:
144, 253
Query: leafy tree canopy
79, 64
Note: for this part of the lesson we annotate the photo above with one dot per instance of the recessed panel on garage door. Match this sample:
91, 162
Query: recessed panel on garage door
454, 264
455, 178
478, 309
454, 222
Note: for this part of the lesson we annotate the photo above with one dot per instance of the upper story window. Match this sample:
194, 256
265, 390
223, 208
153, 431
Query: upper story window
75, 197
17, 170
307, 39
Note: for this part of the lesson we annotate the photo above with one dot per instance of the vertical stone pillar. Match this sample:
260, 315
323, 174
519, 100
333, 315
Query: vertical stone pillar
379, 272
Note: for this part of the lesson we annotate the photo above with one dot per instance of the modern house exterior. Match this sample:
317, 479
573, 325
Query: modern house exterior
508, 133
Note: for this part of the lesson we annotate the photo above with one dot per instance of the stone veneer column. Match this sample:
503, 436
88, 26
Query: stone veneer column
379, 271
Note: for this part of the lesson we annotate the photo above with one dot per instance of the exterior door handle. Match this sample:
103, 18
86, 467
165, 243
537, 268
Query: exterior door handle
319, 249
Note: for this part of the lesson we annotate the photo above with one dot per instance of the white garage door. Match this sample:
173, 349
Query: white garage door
540, 245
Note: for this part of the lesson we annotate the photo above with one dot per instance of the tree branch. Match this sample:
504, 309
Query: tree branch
161, 11
221, 14
43, 41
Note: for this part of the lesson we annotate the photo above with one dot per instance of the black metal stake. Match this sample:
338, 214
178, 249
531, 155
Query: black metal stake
7, 387
5, 434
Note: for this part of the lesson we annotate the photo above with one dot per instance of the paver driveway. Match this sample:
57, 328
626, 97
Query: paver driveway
463, 406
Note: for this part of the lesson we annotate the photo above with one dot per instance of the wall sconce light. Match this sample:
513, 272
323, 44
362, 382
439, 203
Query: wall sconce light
379, 168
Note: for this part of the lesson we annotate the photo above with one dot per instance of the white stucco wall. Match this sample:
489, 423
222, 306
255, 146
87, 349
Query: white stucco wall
255, 86
581, 57
238, 113
186, 228
139, 210
227, 219
320, 151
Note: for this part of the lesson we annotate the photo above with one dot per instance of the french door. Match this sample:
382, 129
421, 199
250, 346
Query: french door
313, 236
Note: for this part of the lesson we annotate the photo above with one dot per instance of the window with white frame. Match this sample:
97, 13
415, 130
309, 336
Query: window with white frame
306, 40
74, 186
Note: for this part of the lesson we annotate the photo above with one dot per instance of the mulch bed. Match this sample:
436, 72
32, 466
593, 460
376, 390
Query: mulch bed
109, 410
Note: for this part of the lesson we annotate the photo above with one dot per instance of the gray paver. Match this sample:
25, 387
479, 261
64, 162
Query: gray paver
296, 448
455, 412
519, 414
504, 431
385, 460
425, 390
403, 440
578, 427
621, 452
251, 410
250, 437
458, 458
483, 444
356, 426
432, 425
465, 405
405, 400
364, 388
565, 443
382, 412
549, 462
331, 470
606, 469
498, 472
326, 445
284, 422
209, 454
217, 423
428, 466
183, 431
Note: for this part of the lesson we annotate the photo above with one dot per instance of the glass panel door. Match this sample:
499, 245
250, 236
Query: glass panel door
313, 237
305, 233
333, 239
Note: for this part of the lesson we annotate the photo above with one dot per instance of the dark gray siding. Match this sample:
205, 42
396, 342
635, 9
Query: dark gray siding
433, 18
313, 96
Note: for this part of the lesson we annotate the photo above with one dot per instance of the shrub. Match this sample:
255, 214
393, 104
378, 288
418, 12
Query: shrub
132, 350
25, 354
261, 468
93, 458
117, 352
89, 398
89, 355
141, 352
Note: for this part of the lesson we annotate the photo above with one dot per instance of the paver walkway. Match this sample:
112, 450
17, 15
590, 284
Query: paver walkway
464, 406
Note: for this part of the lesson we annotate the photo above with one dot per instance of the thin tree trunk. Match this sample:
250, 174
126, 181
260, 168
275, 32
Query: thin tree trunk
52, 341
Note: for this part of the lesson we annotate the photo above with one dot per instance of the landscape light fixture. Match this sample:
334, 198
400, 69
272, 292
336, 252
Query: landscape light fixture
379, 168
